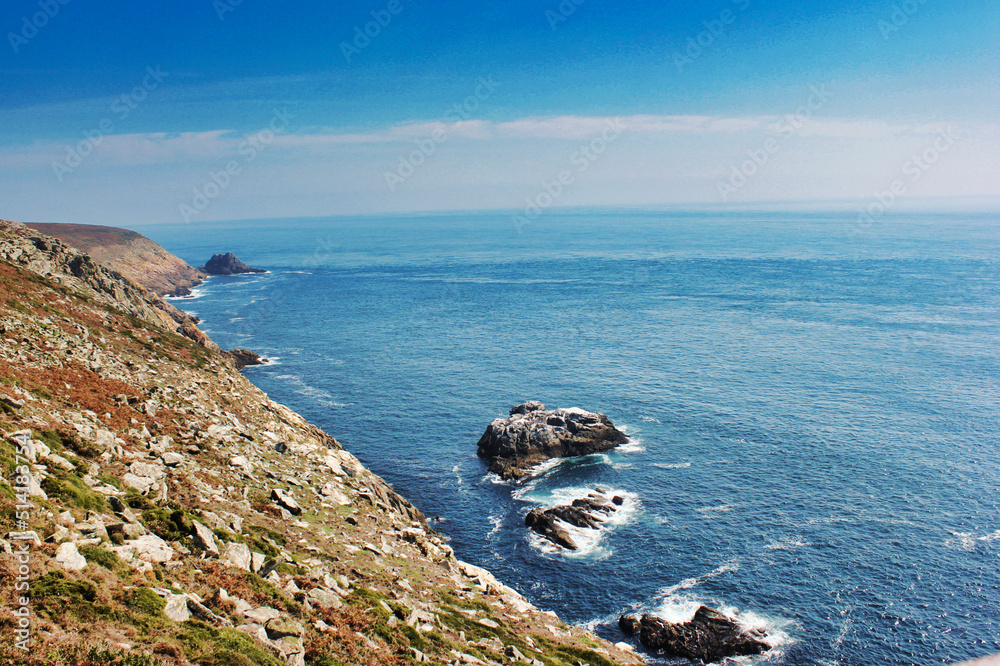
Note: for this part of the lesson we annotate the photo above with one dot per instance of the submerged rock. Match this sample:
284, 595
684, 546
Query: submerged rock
708, 636
531, 435
227, 264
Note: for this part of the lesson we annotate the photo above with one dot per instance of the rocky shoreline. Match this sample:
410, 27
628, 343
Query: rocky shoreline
181, 516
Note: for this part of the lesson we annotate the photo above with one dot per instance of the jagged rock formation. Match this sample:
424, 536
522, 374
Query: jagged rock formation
228, 264
131, 254
709, 636
532, 435
586, 512
181, 516
244, 357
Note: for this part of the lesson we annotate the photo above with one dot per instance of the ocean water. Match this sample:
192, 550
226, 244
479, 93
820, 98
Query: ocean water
814, 406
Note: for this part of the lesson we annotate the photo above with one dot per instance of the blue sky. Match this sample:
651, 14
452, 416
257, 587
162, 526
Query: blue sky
258, 109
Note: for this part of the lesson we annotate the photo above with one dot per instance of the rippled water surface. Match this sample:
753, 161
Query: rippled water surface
814, 406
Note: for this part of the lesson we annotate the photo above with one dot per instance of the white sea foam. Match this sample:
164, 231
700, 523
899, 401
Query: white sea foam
722, 508
683, 465
195, 293
634, 445
787, 543
497, 523
320, 396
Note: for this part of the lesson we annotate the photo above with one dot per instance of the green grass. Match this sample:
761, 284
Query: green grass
70, 488
98, 555
208, 646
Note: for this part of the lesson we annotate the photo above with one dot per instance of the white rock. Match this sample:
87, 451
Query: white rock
205, 538
257, 561
146, 469
70, 558
261, 615
172, 459
140, 483
238, 555
177, 608
150, 548
242, 463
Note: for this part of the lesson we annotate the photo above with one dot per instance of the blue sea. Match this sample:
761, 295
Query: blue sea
814, 404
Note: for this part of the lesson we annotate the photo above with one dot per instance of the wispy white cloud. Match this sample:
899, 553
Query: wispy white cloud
158, 148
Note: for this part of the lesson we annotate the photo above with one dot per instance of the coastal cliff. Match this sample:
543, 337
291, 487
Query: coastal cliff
130, 253
178, 515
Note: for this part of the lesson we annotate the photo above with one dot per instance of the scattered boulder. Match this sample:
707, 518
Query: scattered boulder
531, 435
287, 501
238, 555
709, 636
227, 264
70, 558
177, 608
205, 539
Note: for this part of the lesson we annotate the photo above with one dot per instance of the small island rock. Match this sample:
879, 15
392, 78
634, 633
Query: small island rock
532, 434
227, 264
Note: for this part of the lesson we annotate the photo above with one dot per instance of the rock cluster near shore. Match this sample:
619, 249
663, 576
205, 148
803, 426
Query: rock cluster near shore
532, 434
709, 636
228, 264
587, 512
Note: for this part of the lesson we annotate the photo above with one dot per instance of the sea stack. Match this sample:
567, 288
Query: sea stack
228, 264
532, 434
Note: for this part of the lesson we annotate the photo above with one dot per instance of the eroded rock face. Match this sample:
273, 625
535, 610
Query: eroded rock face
228, 264
708, 636
531, 435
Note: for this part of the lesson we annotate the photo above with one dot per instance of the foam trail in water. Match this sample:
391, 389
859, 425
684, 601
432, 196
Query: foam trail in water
683, 465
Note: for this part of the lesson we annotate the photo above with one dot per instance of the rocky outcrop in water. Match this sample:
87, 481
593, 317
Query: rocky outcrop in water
587, 512
708, 636
228, 264
532, 434
243, 358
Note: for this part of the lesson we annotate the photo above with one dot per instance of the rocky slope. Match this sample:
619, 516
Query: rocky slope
177, 515
131, 254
